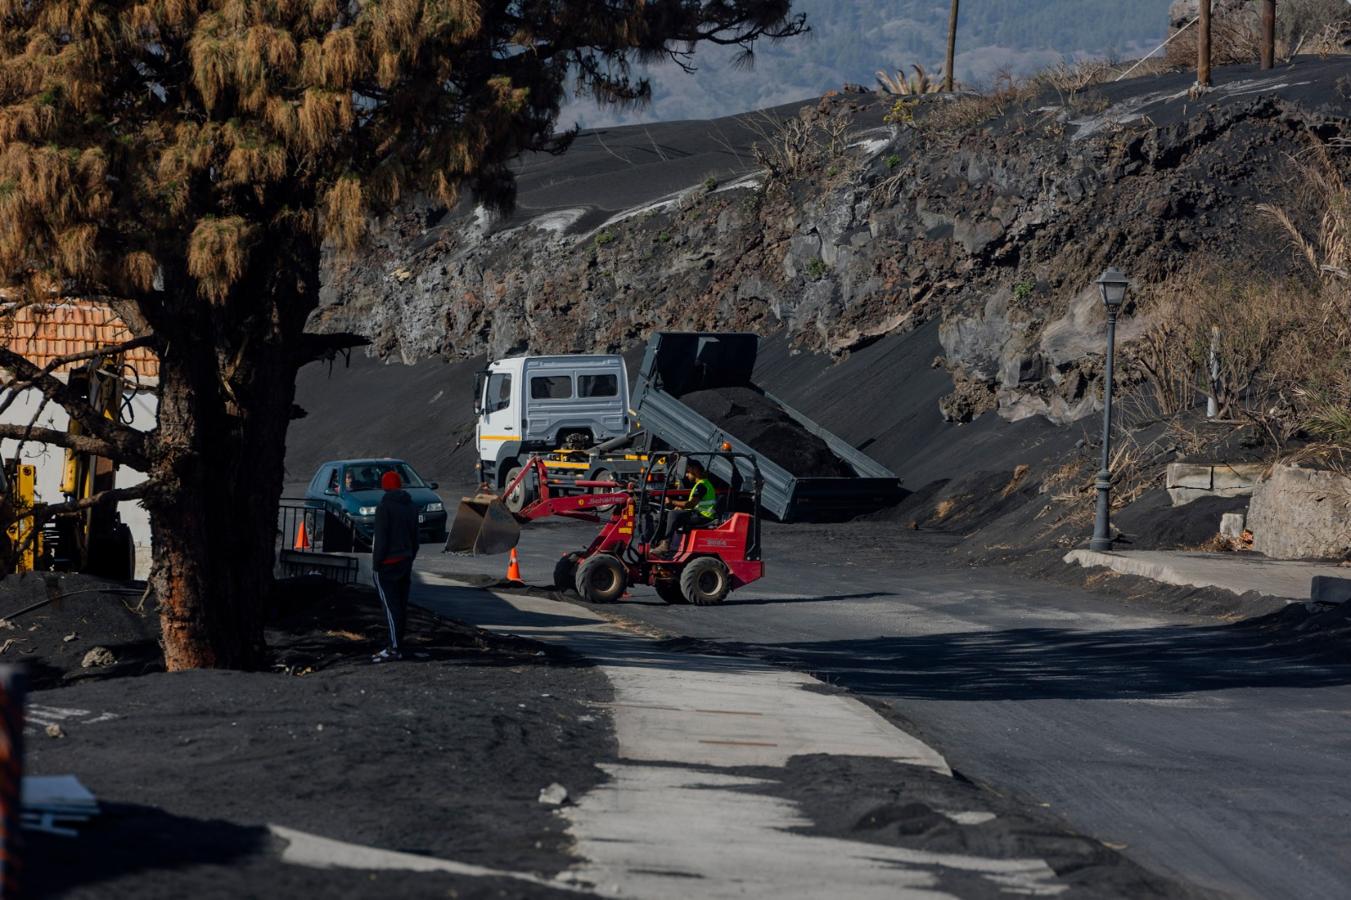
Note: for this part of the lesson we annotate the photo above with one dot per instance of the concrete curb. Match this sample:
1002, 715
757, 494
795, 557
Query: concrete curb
1290, 580
1330, 589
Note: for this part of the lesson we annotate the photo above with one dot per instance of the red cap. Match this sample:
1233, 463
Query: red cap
391, 481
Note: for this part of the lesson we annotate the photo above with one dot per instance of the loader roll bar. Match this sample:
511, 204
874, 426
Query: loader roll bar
673, 460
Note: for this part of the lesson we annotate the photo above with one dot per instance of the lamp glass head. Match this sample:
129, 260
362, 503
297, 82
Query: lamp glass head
1112, 284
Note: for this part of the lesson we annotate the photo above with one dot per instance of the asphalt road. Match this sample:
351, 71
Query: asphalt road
1194, 745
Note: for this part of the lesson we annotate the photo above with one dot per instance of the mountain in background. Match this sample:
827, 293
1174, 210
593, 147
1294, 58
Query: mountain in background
849, 42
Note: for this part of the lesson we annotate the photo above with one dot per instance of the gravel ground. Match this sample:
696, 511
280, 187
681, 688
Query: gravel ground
443, 755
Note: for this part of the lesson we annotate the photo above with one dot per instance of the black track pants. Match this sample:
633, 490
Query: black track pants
392, 581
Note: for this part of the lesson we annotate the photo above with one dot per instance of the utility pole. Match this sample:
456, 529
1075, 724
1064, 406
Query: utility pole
1203, 46
1268, 33
952, 47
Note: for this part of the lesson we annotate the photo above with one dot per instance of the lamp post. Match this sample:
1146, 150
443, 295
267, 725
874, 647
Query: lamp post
1112, 285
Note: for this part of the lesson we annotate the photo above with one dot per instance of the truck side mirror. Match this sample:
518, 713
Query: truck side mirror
479, 379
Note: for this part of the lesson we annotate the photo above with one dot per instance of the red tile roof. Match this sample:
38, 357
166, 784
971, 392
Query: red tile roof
45, 333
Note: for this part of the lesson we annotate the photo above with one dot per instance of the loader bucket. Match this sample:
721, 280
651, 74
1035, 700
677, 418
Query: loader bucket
483, 526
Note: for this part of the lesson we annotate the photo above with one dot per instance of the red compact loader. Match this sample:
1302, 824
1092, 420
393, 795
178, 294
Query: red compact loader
703, 568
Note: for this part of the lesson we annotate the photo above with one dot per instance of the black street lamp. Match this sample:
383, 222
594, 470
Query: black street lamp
1113, 286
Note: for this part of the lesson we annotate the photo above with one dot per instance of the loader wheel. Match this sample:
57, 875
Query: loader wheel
565, 573
524, 494
601, 579
669, 591
705, 581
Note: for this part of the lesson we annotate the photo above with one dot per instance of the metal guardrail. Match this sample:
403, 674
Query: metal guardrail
291, 516
312, 540
343, 568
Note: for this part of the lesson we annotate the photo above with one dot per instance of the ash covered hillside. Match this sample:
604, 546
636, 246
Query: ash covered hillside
918, 265
989, 215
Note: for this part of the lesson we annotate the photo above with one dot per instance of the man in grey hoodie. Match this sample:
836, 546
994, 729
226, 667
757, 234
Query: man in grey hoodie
393, 548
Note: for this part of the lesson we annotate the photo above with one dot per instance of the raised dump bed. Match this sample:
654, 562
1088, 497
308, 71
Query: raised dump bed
694, 392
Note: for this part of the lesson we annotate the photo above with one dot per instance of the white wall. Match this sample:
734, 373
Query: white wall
49, 461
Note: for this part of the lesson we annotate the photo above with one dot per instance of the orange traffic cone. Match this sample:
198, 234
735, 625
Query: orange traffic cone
513, 567
302, 538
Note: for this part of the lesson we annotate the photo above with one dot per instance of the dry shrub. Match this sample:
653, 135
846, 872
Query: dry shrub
1069, 78
1281, 346
1135, 467
1242, 318
949, 121
1326, 246
1311, 377
1302, 26
1016, 481
800, 146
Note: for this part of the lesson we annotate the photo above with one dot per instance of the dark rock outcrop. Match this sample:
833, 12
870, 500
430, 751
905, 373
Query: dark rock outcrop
993, 215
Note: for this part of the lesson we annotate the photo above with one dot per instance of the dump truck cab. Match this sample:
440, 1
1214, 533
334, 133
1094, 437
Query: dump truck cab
537, 404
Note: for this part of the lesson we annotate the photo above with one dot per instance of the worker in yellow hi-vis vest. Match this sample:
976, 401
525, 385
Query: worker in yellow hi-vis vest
700, 508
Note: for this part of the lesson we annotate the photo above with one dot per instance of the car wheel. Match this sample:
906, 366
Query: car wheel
705, 581
601, 579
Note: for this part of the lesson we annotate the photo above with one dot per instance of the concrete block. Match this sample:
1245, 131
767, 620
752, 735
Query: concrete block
1235, 479
1302, 514
1190, 475
1331, 590
1192, 481
1231, 525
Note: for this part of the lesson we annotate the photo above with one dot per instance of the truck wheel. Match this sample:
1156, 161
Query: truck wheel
565, 573
705, 581
601, 579
524, 494
669, 591
602, 475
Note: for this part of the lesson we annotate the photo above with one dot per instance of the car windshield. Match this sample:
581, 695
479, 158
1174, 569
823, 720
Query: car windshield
366, 476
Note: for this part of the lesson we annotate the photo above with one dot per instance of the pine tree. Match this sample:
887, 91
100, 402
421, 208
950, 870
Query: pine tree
190, 160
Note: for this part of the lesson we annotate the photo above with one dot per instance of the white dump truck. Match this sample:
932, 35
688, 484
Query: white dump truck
557, 406
574, 412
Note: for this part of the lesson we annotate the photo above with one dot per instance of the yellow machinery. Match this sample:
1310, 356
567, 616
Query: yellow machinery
92, 540
23, 546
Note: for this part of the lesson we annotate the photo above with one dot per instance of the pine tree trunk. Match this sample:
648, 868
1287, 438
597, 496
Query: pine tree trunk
224, 408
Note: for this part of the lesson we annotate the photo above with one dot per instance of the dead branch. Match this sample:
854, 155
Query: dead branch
80, 443
43, 511
57, 362
121, 442
325, 346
